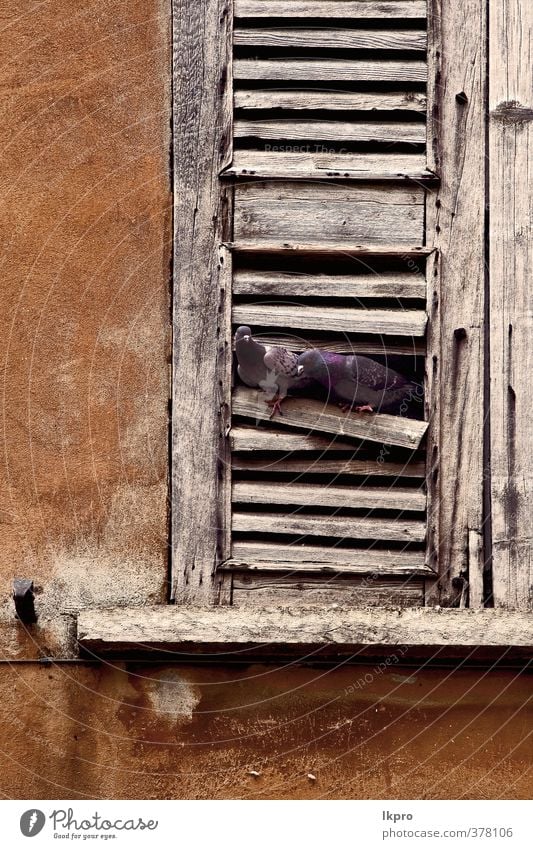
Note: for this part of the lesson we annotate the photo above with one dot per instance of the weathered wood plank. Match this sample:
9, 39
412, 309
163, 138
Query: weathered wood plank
399, 322
326, 249
274, 98
327, 212
331, 37
456, 226
415, 346
318, 416
298, 165
330, 9
255, 439
202, 117
343, 527
331, 70
511, 304
334, 131
247, 554
325, 466
260, 590
212, 630
308, 495
374, 285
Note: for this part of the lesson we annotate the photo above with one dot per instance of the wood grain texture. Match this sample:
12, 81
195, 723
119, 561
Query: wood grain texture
511, 304
205, 630
306, 165
331, 37
455, 225
377, 285
325, 466
255, 439
331, 70
330, 9
343, 527
327, 249
398, 322
248, 553
328, 213
332, 131
274, 98
414, 346
322, 417
201, 354
259, 590
264, 492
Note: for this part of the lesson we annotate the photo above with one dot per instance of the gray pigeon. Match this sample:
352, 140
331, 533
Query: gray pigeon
357, 382
272, 368
250, 357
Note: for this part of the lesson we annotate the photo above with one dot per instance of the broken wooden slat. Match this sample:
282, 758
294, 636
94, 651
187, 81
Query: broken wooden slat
374, 285
333, 131
331, 9
256, 589
305, 166
330, 70
344, 527
393, 322
327, 212
257, 439
200, 630
325, 466
245, 554
511, 303
415, 346
331, 37
308, 495
319, 416
274, 98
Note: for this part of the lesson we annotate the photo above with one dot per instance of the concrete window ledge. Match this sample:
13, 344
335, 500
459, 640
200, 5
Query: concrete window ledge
243, 633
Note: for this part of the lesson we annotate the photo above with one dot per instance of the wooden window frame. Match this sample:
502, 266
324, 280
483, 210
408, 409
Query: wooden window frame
468, 101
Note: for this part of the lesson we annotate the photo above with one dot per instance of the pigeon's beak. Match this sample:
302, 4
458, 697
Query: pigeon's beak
247, 338
299, 370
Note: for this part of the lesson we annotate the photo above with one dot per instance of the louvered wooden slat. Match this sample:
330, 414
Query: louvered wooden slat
330, 9
296, 165
332, 38
257, 589
317, 495
392, 322
255, 439
344, 527
415, 346
329, 212
323, 465
334, 131
330, 100
340, 70
378, 285
373, 560
322, 417
297, 568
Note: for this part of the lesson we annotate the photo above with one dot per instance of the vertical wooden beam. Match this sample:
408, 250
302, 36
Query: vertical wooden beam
455, 225
202, 350
511, 300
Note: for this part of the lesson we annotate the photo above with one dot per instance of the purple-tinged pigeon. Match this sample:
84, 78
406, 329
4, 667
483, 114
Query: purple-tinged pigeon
357, 382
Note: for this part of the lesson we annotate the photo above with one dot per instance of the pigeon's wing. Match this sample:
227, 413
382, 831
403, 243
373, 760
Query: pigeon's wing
281, 362
363, 370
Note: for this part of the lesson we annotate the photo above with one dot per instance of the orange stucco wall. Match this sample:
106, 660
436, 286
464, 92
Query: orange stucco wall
84, 342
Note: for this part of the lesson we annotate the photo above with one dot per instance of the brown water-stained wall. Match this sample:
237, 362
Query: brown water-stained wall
84, 342
85, 222
170, 731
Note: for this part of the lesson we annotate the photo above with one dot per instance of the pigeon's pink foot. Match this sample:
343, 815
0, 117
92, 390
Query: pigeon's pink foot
275, 403
366, 408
